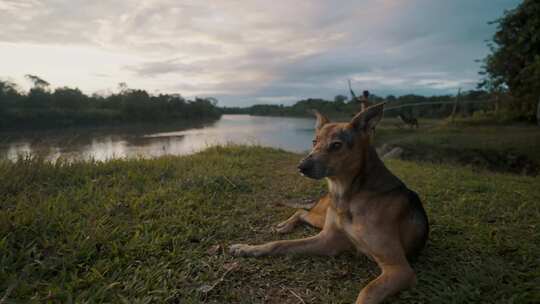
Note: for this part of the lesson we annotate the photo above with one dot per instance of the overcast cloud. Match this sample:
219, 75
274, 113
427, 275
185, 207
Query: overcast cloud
246, 52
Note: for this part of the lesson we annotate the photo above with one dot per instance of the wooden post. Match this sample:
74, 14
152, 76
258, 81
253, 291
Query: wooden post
455, 105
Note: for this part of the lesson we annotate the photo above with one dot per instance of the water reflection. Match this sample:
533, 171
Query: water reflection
292, 134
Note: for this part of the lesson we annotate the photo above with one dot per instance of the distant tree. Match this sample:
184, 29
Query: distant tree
514, 62
136, 102
8, 90
340, 98
37, 82
122, 87
213, 101
391, 98
69, 106
38, 98
7, 87
69, 98
9, 94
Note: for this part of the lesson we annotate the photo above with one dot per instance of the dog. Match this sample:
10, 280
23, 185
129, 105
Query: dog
367, 208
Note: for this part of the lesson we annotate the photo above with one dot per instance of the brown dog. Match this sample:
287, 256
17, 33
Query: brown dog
367, 207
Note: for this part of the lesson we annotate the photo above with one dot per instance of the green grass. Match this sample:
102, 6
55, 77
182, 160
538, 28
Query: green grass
506, 148
139, 231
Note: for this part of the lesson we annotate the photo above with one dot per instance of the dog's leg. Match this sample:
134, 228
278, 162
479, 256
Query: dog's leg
324, 243
393, 279
330, 241
289, 224
314, 217
396, 274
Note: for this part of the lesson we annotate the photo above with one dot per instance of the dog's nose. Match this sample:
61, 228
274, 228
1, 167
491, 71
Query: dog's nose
305, 165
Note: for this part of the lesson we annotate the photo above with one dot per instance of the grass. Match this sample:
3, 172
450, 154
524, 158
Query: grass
146, 231
507, 148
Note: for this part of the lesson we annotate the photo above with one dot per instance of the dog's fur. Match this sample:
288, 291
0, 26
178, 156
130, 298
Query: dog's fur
367, 207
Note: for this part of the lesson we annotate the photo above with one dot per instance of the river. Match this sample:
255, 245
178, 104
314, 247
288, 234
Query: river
288, 133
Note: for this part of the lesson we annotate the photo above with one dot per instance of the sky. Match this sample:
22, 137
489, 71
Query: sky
249, 52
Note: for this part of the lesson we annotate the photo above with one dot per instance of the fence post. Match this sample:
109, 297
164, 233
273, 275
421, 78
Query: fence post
455, 105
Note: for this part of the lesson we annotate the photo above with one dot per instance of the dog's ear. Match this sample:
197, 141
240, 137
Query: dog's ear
366, 120
321, 120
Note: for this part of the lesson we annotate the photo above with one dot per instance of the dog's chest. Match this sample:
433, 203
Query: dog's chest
356, 229
351, 218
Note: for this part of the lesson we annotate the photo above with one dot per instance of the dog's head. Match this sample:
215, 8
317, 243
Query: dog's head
338, 147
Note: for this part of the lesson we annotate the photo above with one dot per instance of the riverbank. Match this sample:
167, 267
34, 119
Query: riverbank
509, 148
156, 231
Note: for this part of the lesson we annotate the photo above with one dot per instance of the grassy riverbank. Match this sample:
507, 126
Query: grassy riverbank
142, 231
504, 148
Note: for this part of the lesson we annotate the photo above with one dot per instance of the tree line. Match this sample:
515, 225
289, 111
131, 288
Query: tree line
43, 107
341, 106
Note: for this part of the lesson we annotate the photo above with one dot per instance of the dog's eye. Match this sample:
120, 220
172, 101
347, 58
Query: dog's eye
314, 142
335, 146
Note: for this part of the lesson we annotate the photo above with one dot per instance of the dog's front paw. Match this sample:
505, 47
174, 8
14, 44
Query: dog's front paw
241, 250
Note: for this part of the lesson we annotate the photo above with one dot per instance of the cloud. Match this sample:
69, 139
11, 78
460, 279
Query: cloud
253, 51
277, 99
153, 68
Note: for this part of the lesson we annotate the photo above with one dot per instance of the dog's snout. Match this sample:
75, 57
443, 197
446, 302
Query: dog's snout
305, 165
312, 167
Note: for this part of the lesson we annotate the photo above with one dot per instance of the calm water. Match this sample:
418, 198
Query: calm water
292, 134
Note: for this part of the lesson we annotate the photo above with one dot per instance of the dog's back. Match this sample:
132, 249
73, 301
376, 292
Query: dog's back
418, 216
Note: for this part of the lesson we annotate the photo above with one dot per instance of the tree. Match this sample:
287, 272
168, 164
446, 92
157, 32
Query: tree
7, 87
38, 98
122, 87
213, 101
391, 98
514, 62
39, 83
8, 91
9, 94
64, 106
340, 98
69, 98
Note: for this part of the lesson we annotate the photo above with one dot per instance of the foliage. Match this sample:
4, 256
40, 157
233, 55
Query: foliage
139, 231
514, 62
65, 106
471, 101
37, 81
